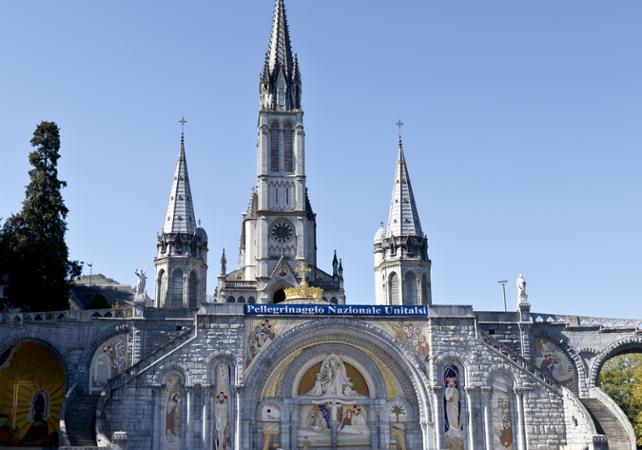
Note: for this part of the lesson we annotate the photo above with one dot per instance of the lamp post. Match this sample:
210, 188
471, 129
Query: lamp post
503, 283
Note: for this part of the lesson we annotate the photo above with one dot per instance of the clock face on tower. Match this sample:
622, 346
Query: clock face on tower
282, 231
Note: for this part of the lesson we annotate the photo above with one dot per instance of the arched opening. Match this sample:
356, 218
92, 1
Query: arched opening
619, 376
503, 417
344, 394
410, 289
241, 299
454, 417
278, 296
31, 396
176, 292
425, 300
251, 300
231, 299
173, 411
192, 289
161, 288
393, 289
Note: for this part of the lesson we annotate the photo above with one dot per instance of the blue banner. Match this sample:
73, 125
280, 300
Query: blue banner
335, 310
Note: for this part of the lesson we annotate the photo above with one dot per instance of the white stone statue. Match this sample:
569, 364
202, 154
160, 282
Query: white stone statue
451, 394
522, 297
332, 379
142, 279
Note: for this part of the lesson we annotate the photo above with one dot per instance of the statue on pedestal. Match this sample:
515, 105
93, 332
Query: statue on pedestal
522, 297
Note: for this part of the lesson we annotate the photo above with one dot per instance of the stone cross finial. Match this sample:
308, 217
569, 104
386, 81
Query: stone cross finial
302, 268
399, 125
182, 122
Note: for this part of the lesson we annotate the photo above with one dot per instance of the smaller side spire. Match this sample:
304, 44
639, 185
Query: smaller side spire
403, 219
180, 217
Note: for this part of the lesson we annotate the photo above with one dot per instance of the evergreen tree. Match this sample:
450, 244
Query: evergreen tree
36, 255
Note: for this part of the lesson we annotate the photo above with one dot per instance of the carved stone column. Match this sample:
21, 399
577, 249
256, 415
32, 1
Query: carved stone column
238, 389
157, 426
189, 436
521, 422
438, 396
470, 403
485, 398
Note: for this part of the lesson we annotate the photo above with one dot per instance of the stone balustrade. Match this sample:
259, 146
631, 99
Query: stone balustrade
78, 315
586, 321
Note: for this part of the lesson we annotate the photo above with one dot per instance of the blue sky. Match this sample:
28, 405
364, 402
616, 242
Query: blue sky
523, 132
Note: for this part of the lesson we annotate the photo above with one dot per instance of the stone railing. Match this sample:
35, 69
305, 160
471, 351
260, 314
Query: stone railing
522, 362
609, 403
80, 315
240, 284
63, 439
132, 372
580, 428
586, 321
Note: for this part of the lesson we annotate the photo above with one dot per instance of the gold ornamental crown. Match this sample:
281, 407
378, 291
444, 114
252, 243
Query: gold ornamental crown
304, 290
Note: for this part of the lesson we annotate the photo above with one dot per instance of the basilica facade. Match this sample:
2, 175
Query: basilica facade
278, 360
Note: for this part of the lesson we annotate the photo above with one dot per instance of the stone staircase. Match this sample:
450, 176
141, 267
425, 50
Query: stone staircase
80, 420
607, 423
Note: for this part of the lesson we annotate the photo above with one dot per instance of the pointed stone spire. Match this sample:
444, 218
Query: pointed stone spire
403, 219
180, 217
280, 86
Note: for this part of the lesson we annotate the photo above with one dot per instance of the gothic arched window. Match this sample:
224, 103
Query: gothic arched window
192, 290
424, 290
161, 289
176, 294
393, 289
410, 289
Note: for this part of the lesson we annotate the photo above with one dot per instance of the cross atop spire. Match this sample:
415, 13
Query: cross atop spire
280, 86
180, 217
399, 125
403, 219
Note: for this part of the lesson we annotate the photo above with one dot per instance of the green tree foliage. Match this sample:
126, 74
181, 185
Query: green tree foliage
36, 258
621, 379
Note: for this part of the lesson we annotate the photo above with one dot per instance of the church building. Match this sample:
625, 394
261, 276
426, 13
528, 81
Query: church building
277, 359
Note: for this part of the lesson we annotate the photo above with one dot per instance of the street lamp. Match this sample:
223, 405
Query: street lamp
503, 283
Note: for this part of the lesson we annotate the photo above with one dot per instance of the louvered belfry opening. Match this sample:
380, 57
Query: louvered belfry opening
288, 139
275, 144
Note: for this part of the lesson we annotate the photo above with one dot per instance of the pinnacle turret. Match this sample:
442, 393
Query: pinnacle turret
280, 85
403, 219
180, 217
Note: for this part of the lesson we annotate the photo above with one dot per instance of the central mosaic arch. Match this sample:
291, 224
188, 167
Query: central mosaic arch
343, 389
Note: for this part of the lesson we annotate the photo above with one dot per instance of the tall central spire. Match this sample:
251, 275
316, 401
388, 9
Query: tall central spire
403, 219
280, 86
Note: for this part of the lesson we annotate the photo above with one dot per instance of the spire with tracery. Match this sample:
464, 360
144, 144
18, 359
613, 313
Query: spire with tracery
280, 85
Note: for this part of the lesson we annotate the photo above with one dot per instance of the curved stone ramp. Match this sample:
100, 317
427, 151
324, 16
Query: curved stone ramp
80, 420
610, 420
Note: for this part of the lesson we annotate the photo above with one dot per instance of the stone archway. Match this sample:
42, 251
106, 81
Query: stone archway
31, 395
631, 344
274, 394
